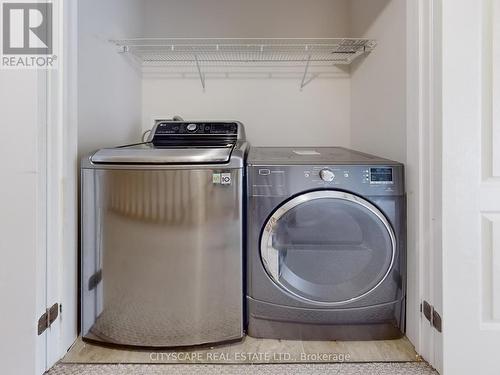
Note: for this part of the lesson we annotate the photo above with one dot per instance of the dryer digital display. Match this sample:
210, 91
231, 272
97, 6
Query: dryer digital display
381, 176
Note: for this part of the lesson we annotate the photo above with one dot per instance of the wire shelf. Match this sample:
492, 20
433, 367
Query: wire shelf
159, 52
336, 51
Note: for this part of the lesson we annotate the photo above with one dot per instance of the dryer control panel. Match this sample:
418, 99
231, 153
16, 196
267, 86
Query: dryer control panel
362, 179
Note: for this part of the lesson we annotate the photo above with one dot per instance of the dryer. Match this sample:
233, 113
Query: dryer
326, 254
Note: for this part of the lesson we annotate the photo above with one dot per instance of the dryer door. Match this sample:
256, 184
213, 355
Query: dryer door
328, 247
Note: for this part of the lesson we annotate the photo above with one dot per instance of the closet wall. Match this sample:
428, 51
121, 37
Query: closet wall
379, 114
109, 87
362, 106
378, 84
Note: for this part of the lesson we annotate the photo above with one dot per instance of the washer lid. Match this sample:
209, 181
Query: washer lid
148, 154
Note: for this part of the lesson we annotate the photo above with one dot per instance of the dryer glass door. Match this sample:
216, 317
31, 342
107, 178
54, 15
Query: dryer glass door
328, 247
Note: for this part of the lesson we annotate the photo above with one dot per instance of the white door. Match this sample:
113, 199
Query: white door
471, 186
38, 210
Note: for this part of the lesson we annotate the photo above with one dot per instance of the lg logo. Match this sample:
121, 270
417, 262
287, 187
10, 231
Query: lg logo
27, 29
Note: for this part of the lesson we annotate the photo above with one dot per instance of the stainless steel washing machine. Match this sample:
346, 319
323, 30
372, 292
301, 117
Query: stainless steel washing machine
326, 255
162, 238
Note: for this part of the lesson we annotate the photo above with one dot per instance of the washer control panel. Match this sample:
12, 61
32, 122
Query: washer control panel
199, 128
182, 133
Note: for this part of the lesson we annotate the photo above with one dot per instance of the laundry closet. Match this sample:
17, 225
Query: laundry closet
140, 61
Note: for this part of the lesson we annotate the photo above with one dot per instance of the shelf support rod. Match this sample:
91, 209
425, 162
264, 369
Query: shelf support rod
303, 83
202, 76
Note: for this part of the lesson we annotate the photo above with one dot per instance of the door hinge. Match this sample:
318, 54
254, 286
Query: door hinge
48, 318
431, 315
95, 279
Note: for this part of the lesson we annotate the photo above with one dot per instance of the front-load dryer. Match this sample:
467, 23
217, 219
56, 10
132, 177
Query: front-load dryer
326, 255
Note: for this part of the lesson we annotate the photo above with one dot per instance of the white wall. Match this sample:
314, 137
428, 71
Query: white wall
109, 94
273, 110
246, 19
378, 84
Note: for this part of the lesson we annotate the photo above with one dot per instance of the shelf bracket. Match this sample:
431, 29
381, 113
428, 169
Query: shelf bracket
202, 76
123, 49
304, 82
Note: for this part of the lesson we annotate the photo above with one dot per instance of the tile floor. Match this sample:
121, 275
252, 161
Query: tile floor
251, 350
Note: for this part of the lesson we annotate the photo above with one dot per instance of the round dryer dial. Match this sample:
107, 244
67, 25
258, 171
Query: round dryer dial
191, 127
327, 175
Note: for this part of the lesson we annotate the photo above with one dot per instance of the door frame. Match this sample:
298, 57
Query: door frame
423, 125
423, 171
61, 141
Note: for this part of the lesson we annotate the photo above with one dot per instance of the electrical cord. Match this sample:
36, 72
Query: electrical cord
144, 135
175, 118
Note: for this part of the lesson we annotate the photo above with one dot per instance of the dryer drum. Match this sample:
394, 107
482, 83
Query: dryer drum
328, 247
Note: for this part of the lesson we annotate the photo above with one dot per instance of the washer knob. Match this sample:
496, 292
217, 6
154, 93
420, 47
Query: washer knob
327, 175
192, 127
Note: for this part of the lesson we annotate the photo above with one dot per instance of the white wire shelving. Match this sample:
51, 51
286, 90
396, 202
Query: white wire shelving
160, 52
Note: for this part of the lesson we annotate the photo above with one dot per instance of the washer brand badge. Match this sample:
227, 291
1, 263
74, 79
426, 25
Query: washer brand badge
28, 35
221, 178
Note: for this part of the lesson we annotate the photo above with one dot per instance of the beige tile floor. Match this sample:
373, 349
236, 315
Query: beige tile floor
251, 350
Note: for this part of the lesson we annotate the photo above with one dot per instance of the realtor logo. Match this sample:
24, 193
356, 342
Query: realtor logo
27, 34
27, 28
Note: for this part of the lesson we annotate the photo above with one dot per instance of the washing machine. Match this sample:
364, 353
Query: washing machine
326, 254
162, 237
